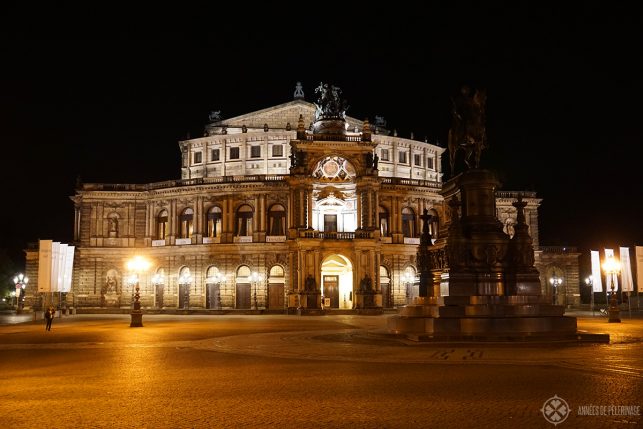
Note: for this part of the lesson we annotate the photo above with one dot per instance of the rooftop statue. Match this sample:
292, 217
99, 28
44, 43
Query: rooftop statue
468, 132
329, 104
299, 92
215, 116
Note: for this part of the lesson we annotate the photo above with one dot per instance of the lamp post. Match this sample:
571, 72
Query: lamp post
589, 281
555, 281
185, 279
407, 279
612, 267
137, 265
21, 282
255, 278
218, 279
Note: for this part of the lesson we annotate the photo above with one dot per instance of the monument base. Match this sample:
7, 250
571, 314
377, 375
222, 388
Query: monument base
482, 318
137, 319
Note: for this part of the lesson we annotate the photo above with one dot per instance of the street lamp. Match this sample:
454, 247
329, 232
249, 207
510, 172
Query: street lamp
21, 282
255, 277
612, 267
218, 279
185, 279
555, 281
408, 279
137, 265
589, 281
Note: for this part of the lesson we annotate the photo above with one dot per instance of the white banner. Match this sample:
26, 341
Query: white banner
627, 285
69, 268
53, 276
609, 278
639, 268
61, 267
597, 283
44, 266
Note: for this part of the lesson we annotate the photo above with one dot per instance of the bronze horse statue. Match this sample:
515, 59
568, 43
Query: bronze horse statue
468, 131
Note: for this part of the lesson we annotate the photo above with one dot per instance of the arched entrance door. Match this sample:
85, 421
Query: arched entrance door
337, 281
385, 283
242, 292
276, 288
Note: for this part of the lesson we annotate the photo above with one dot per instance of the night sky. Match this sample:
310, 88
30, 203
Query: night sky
109, 103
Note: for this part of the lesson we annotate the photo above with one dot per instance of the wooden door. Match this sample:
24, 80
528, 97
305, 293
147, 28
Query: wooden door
331, 290
212, 297
276, 296
184, 296
243, 295
159, 296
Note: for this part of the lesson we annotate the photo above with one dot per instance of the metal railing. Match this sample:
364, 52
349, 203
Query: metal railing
514, 194
557, 249
410, 182
140, 187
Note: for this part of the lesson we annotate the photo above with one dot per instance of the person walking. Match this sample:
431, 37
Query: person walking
49, 317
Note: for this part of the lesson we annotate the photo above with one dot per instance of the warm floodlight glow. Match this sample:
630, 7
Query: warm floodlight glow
138, 264
611, 265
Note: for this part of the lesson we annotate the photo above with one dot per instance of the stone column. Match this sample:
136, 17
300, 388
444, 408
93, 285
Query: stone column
309, 206
244, 154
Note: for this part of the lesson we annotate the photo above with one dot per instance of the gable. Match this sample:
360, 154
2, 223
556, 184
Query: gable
279, 116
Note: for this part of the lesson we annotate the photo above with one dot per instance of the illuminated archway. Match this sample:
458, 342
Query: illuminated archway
337, 281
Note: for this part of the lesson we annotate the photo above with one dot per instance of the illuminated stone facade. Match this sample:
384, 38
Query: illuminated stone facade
273, 212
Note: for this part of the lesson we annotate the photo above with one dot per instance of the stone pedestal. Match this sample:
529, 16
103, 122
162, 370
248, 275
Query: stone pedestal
111, 300
489, 288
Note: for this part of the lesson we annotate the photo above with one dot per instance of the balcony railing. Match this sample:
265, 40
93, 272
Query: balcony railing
514, 194
410, 182
326, 235
140, 187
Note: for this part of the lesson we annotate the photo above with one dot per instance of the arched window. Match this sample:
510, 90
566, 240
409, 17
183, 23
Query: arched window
212, 274
162, 231
243, 223
214, 218
408, 222
243, 274
384, 221
187, 223
277, 220
434, 226
185, 277
276, 273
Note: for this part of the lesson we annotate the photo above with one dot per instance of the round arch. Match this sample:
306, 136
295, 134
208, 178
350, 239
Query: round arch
337, 280
335, 168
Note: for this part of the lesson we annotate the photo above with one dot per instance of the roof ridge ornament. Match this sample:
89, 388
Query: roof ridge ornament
299, 92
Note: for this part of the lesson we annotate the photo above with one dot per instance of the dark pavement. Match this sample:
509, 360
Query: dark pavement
292, 371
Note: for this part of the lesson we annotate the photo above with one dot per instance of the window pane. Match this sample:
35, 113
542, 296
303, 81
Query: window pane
255, 151
384, 154
197, 157
234, 153
215, 155
402, 157
277, 150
